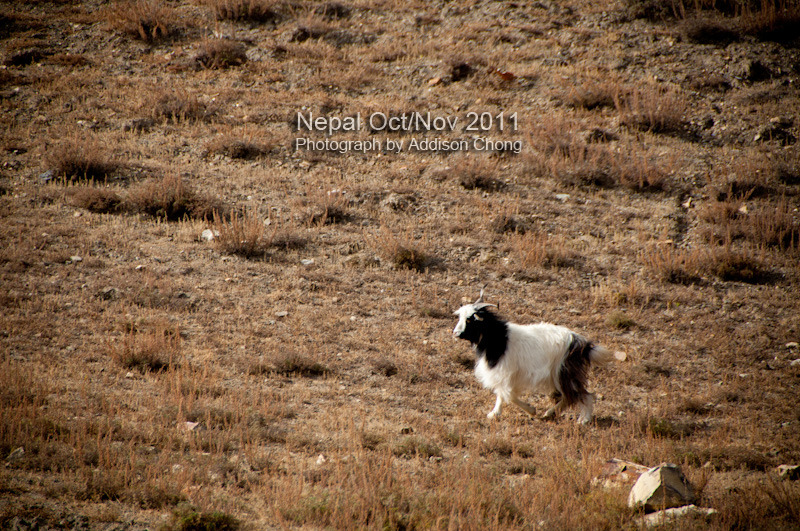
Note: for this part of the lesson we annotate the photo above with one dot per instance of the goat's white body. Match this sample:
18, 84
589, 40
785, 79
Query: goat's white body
533, 357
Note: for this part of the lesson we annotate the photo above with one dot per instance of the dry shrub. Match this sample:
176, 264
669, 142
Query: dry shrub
591, 94
221, 53
299, 365
190, 519
261, 11
81, 158
325, 207
153, 351
146, 20
533, 250
652, 108
233, 147
772, 224
682, 266
172, 199
401, 248
178, 106
575, 162
243, 234
477, 174
95, 199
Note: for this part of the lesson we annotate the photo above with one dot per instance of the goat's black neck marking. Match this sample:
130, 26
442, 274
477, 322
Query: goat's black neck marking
489, 335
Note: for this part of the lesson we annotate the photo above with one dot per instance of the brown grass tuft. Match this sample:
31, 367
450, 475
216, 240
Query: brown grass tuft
260, 11
146, 20
652, 108
243, 234
81, 158
95, 199
682, 266
153, 351
221, 53
172, 199
401, 248
177, 107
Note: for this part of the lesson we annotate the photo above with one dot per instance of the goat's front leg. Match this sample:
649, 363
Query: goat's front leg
527, 408
498, 406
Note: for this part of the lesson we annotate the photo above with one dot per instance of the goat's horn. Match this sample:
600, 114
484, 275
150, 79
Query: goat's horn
480, 297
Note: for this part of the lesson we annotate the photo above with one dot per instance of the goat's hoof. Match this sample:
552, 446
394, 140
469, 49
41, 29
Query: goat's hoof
491, 416
549, 415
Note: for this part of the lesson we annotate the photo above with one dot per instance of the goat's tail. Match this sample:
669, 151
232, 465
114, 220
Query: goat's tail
601, 355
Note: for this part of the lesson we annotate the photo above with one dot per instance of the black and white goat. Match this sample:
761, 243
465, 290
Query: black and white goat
513, 359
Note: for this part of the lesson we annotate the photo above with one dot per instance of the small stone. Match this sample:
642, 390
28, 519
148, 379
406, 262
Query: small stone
191, 426
789, 472
794, 363
664, 517
792, 344
307, 261
616, 472
434, 81
562, 197
281, 314
75, 259
129, 375
209, 235
321, 460
15, 455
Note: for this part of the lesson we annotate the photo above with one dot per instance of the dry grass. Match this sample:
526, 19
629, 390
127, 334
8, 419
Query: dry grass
243, 234
81, 158
652, 108
172, 199
260, 11
221, 53
146, 20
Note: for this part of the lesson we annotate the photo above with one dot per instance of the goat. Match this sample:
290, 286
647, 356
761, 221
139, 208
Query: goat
513, 359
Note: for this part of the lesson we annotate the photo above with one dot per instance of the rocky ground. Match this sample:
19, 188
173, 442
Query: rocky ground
205, 326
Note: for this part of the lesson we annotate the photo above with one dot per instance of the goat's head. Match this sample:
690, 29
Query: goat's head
470, 319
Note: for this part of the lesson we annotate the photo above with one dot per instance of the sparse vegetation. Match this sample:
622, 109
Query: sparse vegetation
146, 20
171, 198
205, 327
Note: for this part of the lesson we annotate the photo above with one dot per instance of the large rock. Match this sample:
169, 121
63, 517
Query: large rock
661, 487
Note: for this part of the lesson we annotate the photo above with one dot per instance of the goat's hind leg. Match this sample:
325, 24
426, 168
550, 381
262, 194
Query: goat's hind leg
587, 408
527, 408
557, 409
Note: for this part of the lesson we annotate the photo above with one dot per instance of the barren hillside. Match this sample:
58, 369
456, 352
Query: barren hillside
234, 233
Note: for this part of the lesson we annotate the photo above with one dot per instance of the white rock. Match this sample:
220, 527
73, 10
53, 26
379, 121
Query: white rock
190, 426
16, 454
307, 261
75, 258
321, 460
209, 235
794, 363
791, 344
790, 472
562, 197
668, 515
661, 487
281, 314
